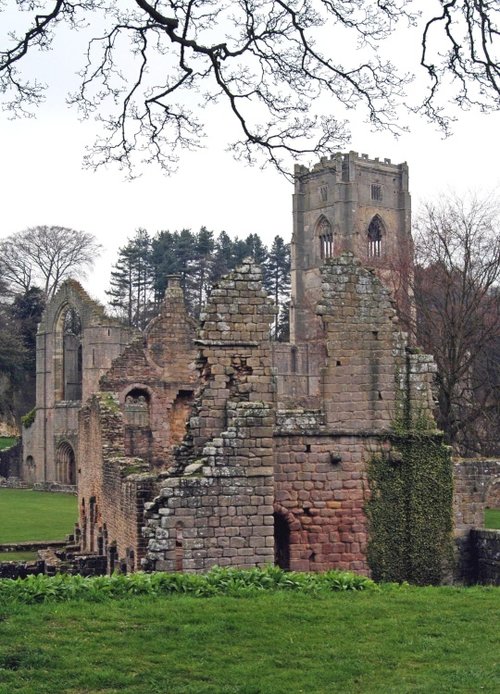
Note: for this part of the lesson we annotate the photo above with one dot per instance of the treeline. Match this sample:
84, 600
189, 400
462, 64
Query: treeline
139, 277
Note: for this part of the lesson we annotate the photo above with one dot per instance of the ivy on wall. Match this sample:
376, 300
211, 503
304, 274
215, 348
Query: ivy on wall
410, 510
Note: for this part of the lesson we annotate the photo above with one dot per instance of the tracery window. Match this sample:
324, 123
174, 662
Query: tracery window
375, 234
325, 239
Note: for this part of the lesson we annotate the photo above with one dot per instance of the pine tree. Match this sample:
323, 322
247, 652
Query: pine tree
132, 280
277, 277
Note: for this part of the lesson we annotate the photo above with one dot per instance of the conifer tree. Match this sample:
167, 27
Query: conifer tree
277, 276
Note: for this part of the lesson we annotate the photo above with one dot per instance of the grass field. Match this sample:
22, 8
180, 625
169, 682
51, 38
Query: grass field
18, 556
492, 518
7, 441
434, 640
29, 516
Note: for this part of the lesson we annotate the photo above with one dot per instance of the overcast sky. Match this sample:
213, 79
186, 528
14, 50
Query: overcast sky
42, 180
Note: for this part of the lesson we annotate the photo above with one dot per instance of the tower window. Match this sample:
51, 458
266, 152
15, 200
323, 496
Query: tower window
325, 239
375, 232
376, 192
323, 191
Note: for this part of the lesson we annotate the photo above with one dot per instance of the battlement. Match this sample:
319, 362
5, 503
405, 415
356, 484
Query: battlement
341, 161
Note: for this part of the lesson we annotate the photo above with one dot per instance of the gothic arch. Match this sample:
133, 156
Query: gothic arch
375, 234
65, 463
68, 353
324, 233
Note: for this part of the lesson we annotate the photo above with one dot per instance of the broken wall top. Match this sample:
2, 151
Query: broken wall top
72, 294
238, 309
372, 378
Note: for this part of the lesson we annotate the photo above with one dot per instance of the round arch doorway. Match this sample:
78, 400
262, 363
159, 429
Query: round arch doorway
65, 464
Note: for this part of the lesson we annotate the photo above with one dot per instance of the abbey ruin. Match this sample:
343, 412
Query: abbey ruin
193, 446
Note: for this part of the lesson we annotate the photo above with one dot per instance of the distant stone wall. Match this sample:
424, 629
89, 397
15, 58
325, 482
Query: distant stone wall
477, 487
159, 370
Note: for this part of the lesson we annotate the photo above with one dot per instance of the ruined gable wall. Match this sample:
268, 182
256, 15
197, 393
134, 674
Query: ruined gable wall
217, 508
368, 382
162, 364
371, 374
103, 339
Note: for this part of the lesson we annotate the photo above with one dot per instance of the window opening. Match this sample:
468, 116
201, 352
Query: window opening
325, 239
375, 231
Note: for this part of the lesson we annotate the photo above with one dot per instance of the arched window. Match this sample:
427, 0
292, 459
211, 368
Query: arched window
325, 234
72, 355
375, 233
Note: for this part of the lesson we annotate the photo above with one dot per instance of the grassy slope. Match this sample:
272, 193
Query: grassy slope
7, 441
26, 515
401, 640
492, 518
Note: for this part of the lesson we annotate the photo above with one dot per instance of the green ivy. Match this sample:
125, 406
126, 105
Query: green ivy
28, 419
410, 510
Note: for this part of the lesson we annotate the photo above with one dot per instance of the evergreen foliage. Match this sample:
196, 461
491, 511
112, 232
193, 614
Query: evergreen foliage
139, 277
410, 511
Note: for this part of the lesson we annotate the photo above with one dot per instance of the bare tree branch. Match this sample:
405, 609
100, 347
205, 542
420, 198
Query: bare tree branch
154, 68
458, 303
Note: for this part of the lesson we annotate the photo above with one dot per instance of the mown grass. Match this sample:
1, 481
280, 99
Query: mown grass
7, 442
17, 556
394, 640
492, 518
27, 516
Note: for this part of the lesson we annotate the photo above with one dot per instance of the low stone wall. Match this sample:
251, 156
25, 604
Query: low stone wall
13, 483
55, 487
486, 547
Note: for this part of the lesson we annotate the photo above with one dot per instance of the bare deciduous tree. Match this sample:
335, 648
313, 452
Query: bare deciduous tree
458, 306
151, 68
45, 256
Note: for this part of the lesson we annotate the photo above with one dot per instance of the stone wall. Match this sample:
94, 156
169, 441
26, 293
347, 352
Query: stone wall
217, 505
477, 486
486, 552
372, 379
112, 488
157, 374
68, 368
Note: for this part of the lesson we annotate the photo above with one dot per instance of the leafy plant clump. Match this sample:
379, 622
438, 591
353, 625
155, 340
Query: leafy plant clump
28, 419
410, 511
218, 581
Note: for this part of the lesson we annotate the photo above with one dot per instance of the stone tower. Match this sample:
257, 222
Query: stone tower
349, 203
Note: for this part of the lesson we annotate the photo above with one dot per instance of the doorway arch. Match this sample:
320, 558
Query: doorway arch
65, 463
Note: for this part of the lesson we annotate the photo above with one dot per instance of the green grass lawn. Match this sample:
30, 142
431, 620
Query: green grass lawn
26, 515
492, 518
18, 556
435, 640
7, 441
